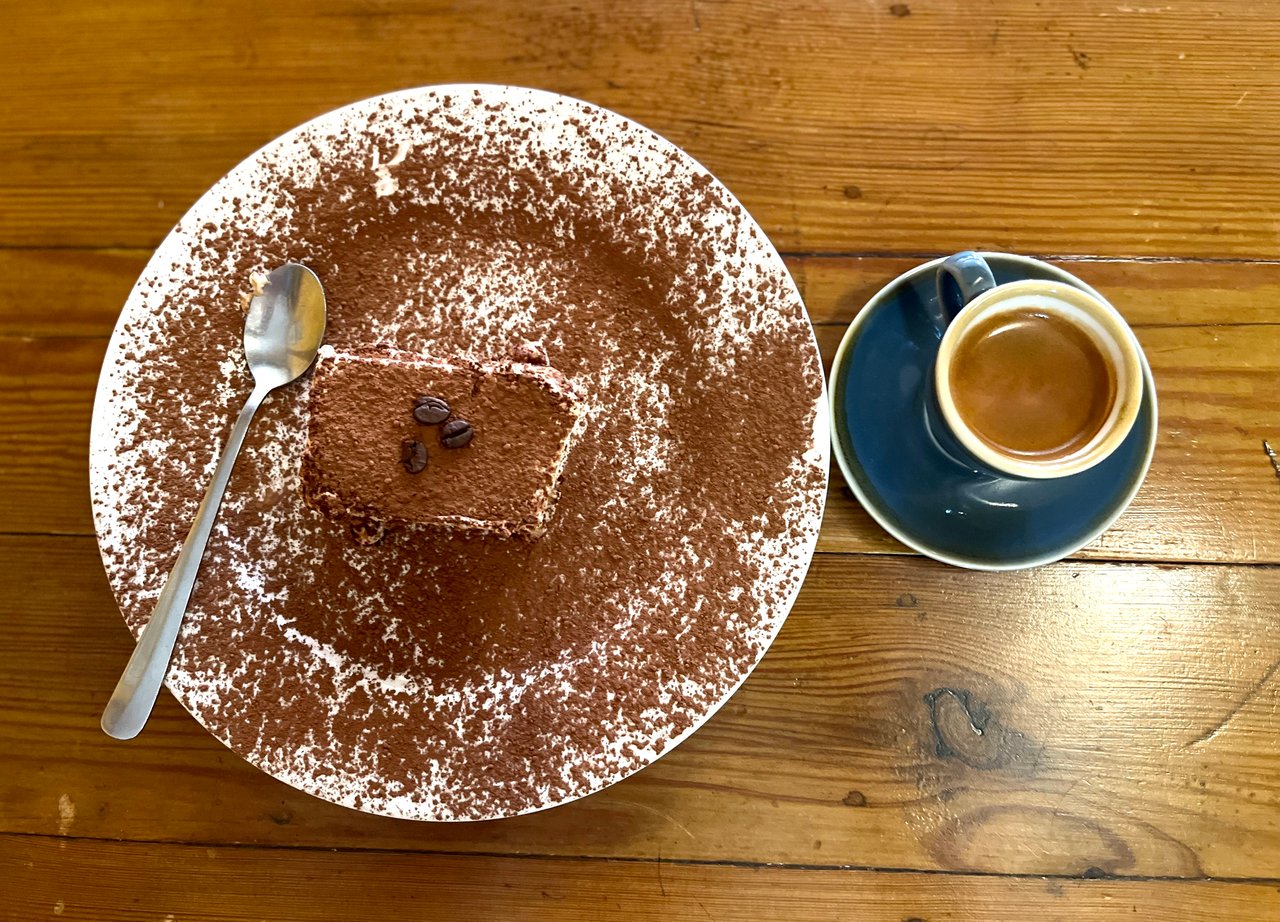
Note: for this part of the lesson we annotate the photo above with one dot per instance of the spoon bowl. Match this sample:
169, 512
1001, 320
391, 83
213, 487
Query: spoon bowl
284, 326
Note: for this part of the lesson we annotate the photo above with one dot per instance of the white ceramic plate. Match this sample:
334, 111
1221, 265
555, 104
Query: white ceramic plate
473, 216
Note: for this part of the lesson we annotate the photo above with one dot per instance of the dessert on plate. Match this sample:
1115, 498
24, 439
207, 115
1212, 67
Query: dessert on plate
396, 439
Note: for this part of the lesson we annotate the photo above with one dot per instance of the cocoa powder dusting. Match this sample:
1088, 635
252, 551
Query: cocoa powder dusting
446, 676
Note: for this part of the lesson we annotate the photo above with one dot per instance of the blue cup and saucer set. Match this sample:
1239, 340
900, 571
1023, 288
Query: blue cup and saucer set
913, 435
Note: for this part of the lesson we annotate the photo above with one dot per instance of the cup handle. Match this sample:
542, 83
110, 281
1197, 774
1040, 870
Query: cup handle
961, 278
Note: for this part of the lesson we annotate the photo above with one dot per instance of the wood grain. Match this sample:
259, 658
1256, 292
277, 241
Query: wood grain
86, 879
1083, 718
46, 402
1092, 719
1092, 128
1212, 493
59, 293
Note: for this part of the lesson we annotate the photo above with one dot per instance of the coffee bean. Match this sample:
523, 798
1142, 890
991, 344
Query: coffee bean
456, 433
430, 410
413, 455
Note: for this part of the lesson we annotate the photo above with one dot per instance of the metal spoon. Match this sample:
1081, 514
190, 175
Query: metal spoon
282, 333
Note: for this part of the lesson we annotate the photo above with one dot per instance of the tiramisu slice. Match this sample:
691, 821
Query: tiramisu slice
397, 438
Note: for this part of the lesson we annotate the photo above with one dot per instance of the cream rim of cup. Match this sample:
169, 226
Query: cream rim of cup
1104, 326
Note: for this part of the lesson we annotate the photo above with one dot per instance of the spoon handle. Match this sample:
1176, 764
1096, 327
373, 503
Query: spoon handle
135, 694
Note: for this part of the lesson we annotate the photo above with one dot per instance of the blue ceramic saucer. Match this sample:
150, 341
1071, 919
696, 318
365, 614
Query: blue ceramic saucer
922, 496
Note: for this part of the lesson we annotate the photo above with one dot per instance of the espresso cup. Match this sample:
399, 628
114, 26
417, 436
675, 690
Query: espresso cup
1033, 379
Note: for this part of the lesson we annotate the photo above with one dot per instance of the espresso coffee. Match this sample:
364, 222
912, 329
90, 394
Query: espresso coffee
1032, 385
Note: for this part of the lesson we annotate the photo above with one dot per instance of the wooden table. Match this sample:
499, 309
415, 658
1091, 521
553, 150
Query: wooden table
1097, 739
